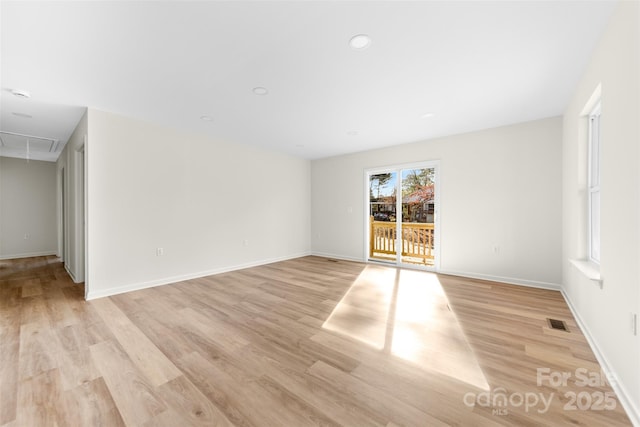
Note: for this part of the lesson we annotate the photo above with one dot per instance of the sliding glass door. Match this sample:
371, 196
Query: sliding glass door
402, 215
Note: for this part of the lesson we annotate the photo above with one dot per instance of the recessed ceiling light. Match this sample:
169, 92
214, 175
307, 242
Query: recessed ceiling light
260, 90
352, 133
360, 41
206, 118
23, 115
21, 93
427, 115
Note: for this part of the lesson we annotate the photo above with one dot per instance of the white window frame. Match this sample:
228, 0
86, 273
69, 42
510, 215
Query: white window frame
593, 185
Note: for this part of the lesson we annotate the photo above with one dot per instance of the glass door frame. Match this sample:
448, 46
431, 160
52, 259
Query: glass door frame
398, 168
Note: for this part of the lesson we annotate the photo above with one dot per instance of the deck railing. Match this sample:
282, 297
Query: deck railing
417, 241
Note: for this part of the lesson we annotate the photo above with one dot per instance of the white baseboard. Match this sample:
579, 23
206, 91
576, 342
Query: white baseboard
501, 279
28, 255
180, 278
633, 411
334, 256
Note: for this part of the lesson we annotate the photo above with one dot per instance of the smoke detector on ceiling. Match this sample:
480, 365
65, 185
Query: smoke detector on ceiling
260, 90
360, 41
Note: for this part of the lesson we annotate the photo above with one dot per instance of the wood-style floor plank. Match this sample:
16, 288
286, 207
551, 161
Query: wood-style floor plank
313, 391
190, 404
304, 342
39, 400
134, 397
90, 404
74, 358
38, 349
10, 307
360, 391
141, 350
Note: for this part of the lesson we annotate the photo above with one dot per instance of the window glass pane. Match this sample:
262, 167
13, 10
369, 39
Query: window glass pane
382, 215
595, 226
594, 150
418, 202
594, 184
418, 195
382, 196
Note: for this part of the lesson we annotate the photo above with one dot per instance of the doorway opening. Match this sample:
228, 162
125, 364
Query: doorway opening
402, 211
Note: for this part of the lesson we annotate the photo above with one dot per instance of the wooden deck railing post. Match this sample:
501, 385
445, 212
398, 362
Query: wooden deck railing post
371, 237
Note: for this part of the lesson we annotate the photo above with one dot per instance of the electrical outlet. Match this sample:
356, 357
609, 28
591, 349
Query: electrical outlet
159, 251
245, 242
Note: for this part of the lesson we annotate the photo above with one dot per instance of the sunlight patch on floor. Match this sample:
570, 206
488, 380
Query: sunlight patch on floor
405, 313
363, 312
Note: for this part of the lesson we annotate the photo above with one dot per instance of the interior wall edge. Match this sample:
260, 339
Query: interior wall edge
71, 274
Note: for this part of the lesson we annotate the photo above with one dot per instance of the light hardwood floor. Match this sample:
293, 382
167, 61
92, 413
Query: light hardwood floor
303, 342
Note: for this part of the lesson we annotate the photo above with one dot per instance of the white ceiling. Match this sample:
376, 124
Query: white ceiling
475, 64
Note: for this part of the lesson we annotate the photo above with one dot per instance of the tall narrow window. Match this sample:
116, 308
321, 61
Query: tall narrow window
594, 184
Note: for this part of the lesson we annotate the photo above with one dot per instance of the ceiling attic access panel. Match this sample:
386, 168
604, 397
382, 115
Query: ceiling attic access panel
29, 147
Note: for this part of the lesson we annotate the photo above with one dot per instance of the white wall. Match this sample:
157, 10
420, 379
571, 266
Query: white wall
199, 199
27, 207
69, 164
499, 187
605, 313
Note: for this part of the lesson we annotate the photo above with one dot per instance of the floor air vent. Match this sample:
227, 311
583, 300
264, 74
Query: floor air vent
558, 324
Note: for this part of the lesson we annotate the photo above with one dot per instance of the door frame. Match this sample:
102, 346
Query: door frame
79, 214
62, 216
427, 164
